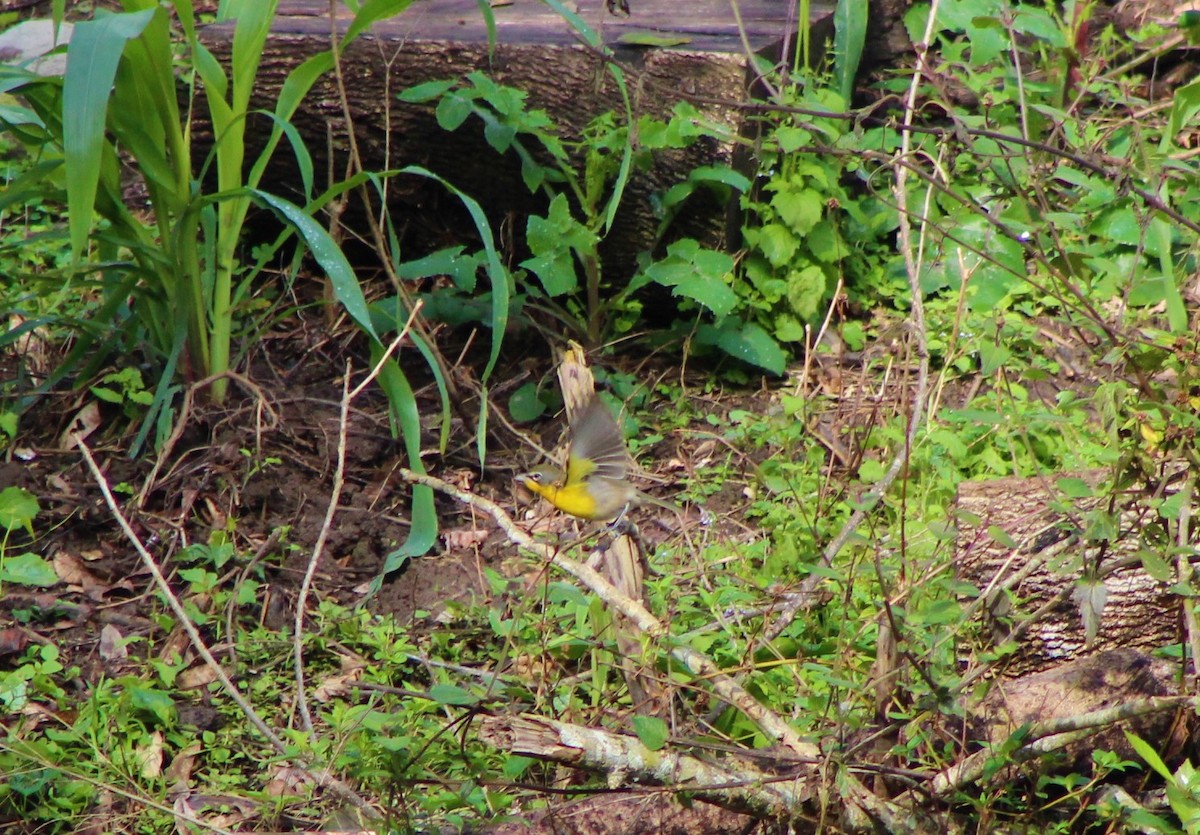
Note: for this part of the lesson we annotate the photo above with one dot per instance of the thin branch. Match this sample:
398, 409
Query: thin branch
339, 481
743, 788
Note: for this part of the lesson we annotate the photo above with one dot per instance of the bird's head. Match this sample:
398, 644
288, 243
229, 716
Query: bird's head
543, 475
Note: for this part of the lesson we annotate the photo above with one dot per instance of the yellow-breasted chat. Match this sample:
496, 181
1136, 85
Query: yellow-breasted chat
595, 483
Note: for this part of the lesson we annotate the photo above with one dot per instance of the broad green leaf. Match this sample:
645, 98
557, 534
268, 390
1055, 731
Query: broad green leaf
27, 570
152, 701
747, 342
524, 405
697, 273
652, 731
450, 694
18, 507
800, 209
427, 91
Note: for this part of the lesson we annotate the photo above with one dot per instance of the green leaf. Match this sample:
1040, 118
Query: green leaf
371, 12
450, 694
697, 273
428, 91
652, 731
452, 261
27, 570
1075, 488
152, 701
1143, 750
800, 209
636, 38
329, 255
1155, 565
452, 111
18, 507
92, 58
1002, 537
525, 405
849, 35
551, 240
747, 342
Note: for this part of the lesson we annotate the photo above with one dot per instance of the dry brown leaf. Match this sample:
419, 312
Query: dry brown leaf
200, 675
180, 769
333, 686
112, 644
85, 422
287, 781
70, 569
462, 539
12, 641
150, 756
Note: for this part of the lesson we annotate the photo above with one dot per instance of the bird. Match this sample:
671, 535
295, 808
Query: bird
594, 485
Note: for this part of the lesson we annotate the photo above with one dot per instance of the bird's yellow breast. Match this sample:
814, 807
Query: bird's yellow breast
575, 499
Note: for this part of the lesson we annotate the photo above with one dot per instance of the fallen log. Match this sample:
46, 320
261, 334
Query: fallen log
711, 64
1064, 568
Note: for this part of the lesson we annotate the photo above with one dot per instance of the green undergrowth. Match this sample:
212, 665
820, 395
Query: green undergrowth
1054, 242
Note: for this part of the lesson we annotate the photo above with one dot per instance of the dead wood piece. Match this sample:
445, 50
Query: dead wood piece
740, 786
1096, 683
1028, 590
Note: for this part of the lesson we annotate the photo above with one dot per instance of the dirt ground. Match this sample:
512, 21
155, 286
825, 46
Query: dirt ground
264, 464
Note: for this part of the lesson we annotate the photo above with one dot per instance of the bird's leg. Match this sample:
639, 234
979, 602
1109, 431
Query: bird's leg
620, 525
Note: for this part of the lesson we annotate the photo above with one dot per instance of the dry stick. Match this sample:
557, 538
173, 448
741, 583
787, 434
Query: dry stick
322, 777
736, 784
697, 663
335, 494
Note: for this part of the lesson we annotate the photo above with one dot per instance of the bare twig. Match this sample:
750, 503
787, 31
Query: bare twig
181, 422
339, 480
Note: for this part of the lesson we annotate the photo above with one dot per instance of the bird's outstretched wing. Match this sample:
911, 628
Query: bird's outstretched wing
596, 447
